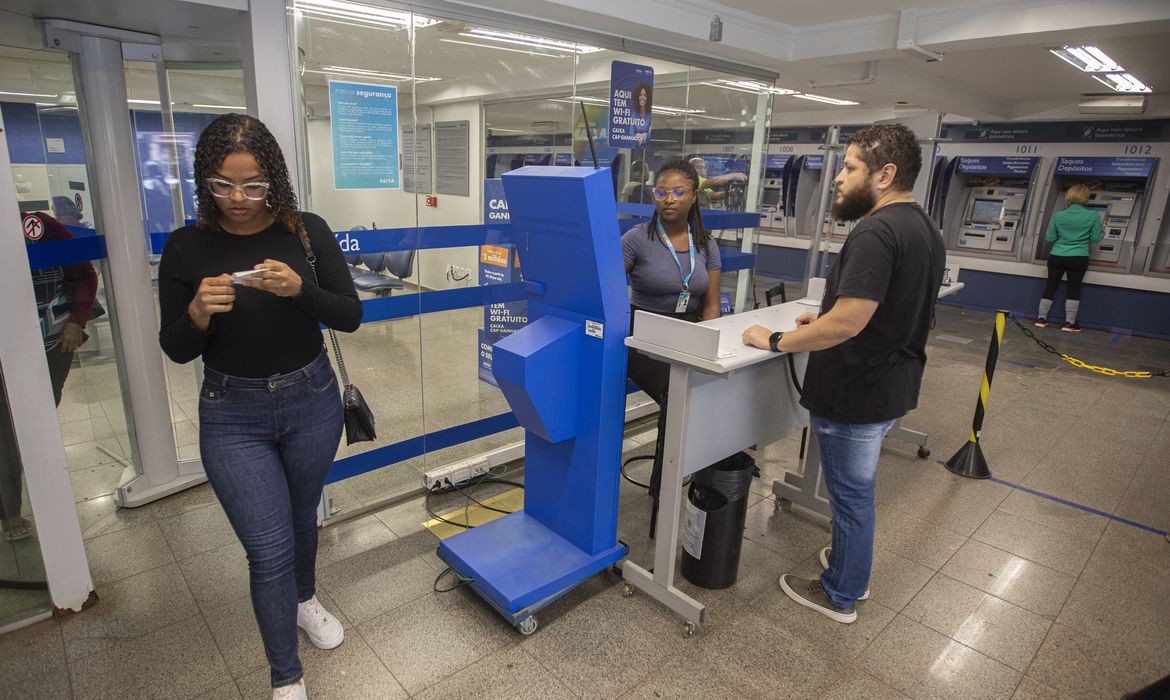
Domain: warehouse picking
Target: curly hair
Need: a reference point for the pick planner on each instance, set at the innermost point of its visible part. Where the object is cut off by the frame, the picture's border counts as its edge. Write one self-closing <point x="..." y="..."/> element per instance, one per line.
<point x="694" y="216"/>
<point x="643" y="85"/>
<point x="880" y="144"/>
<point x="241" y="133"/>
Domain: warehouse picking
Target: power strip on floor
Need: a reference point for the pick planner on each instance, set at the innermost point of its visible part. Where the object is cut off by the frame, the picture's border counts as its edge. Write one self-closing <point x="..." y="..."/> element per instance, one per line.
<point x="457" y="473"/>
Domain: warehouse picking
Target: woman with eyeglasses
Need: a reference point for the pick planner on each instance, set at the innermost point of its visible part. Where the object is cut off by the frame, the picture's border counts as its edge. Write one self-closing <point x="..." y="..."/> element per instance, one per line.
<point x="673" y="267"/>
<point x="270" y="413"/>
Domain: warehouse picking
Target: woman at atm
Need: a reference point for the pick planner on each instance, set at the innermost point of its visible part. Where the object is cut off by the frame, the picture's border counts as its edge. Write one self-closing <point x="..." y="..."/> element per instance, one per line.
<point x="673" y="266"/>
<point x="1070" y="232"/>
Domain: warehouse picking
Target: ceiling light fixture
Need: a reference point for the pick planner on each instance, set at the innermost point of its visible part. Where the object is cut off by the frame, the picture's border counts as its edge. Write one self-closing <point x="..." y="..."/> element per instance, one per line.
<point x="27" y="94"/>
<point x="371" y="74"/>
<point x="666" y="109"/>
<point x="1122" y="82"/>
<point x="526" y="52"/>
<point x="144" y="102"/>
<point x="528" y="40"/>
<point x="581" y="98"/>
<point x="752" y="86"/>
<point x="229" y="107"/>
<point x="1092" y="60"/>
<point x="756" y="88"/>
<point x="361" y="15"/>
<point x="1089" y="59"/>
<point x="822" y="98"/>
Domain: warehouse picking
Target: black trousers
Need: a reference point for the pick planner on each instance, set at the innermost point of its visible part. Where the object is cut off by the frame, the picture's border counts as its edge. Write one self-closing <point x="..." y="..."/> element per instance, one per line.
<point x="1074" y="266"/>
<point x="10" y="470"/>
<point x="653" y="377"/>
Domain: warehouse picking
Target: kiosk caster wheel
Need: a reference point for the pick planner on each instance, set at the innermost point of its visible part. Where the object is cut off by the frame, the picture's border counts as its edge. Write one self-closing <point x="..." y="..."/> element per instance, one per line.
<point x="627" y="591"/>
<point x="690" y="629"/>
<point x="923" y="452"/>
<point x="527" y="626"/>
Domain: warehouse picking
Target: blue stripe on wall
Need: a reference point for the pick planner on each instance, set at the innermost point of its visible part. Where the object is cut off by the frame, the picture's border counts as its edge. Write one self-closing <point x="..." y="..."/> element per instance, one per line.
<point x="1133" y="311"/>
<point x="415" y="446"/>
<point x="441" y="300"/>
<point x="1112" y="308"/>
<point x="67" y="252"/>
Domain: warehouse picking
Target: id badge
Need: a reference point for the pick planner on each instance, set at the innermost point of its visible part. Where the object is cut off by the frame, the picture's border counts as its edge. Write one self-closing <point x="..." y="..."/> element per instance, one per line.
<point x="683" y="299"/>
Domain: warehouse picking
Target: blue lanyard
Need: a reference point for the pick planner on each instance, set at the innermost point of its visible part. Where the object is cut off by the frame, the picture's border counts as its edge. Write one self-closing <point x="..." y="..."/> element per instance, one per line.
<point x="691" y="249"/>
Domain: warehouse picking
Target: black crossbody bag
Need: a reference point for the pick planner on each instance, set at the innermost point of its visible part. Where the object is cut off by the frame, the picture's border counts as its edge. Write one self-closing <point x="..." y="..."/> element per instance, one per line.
<point x="359" y="419"/>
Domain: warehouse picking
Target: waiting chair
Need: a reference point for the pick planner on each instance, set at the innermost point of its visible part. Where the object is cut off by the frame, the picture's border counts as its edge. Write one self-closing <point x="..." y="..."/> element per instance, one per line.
<point x="399" y="263"/>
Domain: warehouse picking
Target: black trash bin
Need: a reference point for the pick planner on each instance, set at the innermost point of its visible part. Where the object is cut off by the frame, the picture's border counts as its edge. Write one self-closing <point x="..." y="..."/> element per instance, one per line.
<point x="715" y="519"/>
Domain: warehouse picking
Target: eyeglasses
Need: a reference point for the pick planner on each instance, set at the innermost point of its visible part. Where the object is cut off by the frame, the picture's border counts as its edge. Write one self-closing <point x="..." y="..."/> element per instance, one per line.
<point x="661" y="192"/>
<point x="224" y="189"/>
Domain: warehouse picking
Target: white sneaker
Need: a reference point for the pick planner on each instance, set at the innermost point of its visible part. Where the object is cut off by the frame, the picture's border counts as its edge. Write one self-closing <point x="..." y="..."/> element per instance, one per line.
<point x="825" y="565"/>
<point x="296" y="691"/>
<point x="324" y="630"/>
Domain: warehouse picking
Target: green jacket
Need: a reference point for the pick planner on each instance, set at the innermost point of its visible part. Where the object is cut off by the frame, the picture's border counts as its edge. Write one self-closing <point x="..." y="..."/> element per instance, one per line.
<point x="1071" y="230"/>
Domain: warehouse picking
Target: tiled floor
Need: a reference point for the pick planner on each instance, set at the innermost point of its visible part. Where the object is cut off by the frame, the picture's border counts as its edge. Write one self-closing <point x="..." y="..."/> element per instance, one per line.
<point x="979" y="589"/>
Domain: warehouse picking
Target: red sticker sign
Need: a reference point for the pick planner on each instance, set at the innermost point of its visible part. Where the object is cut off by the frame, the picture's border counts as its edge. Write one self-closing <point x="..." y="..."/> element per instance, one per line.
<point x="34" y="228"/>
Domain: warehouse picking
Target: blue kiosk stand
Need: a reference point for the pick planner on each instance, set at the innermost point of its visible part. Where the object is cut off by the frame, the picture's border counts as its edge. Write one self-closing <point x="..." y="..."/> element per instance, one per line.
<point x="564" y="376"/>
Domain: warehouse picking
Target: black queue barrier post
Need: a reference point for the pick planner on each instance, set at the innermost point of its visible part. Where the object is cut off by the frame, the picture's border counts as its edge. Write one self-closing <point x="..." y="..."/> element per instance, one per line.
<point x="969" y="460"/>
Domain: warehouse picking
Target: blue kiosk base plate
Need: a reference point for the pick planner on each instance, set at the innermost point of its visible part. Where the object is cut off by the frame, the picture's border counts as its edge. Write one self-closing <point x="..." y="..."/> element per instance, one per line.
<point x="518" y="565"/>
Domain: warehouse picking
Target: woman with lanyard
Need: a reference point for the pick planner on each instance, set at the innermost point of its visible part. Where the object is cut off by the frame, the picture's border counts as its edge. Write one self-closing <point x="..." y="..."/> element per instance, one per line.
<point x="673" y="267"/>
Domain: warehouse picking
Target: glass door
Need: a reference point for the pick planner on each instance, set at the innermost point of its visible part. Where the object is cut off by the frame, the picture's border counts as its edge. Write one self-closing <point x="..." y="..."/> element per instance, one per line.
<point x="170" y="105"/>
<point x="54" y="199"/>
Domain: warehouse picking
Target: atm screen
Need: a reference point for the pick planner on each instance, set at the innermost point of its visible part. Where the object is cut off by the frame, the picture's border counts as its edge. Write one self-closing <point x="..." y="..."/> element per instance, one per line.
<point x="986" y="211"/>
<point x="771" y="196"/>
<point x="1101" y="209"/>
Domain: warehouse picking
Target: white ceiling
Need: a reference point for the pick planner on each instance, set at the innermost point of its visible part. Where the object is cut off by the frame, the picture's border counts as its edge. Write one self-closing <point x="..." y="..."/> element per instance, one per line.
<point x="996" y="66"/>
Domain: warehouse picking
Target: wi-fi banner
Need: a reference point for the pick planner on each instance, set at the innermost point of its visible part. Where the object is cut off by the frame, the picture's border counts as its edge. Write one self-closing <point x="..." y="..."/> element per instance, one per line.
<point x="631" y="96"/>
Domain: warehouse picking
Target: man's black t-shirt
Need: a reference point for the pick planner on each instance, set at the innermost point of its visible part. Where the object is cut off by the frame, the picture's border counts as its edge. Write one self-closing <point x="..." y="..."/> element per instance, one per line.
<point x="896" y="258"/>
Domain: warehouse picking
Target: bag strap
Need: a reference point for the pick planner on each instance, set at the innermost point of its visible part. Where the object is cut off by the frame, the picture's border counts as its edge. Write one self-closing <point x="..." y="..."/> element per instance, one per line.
<point x="312" y="258"/>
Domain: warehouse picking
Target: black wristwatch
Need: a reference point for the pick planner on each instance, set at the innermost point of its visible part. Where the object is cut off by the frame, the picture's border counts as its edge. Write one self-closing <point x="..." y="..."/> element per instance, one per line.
<point x="774" y="341"/>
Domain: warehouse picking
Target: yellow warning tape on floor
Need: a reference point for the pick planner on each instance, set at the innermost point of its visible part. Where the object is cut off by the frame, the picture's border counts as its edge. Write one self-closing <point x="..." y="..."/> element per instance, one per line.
<point x="476" y="515"/>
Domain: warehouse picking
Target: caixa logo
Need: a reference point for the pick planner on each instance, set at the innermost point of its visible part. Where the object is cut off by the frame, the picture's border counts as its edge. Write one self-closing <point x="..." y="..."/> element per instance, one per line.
<point x="386" y="181"/>
<point x="348" y="243"/>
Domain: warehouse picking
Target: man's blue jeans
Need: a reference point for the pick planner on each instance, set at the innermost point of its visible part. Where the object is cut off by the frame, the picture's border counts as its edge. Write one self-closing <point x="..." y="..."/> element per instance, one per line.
<point x="267" y="445"/>
<point x="849" y="457"/>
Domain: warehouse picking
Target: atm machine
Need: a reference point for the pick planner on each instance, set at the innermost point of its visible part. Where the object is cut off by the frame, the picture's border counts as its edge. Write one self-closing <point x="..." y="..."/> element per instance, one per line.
<point x="1118" y="223"/>
<point x="804" y="184"/>
<point x="983" y="203"/>
<point x="772" y="194"/>
<point x="991" y="220"/>
<point x="1117" y="193"/>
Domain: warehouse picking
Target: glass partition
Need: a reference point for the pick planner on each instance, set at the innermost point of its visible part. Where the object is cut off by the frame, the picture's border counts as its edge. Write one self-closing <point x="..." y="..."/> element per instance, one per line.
<point x="473" y="102"/>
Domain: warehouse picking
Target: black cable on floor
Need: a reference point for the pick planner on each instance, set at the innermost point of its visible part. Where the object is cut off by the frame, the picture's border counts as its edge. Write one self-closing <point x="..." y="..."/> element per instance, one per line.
<point x="444" y="572"/>
<point x="628" y="478"/>
<point x="470" y="483"/>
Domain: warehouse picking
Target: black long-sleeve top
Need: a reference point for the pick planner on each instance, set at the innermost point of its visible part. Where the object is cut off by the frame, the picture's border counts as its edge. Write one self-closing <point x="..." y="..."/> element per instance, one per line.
<point x="263" y="334"/>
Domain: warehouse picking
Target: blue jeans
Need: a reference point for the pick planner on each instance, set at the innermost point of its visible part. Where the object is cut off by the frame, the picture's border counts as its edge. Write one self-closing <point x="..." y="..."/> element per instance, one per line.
<point x="267" y="445"/>
<point x="849" y="457"/>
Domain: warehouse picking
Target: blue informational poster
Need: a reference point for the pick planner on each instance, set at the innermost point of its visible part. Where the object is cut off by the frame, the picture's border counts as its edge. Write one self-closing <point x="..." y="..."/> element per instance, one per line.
<point x="364" y="122"/>
<point x="631" y="95"/>
<point x="498" y="264"/>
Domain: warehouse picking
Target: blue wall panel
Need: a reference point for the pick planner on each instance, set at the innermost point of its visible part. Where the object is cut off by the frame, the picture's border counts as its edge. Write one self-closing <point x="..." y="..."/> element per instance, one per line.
<point x="1113" y="308"/>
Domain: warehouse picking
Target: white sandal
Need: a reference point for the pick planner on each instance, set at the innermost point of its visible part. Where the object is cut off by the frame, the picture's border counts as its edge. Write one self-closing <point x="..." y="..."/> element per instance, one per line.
<point x="20" y="531"/>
